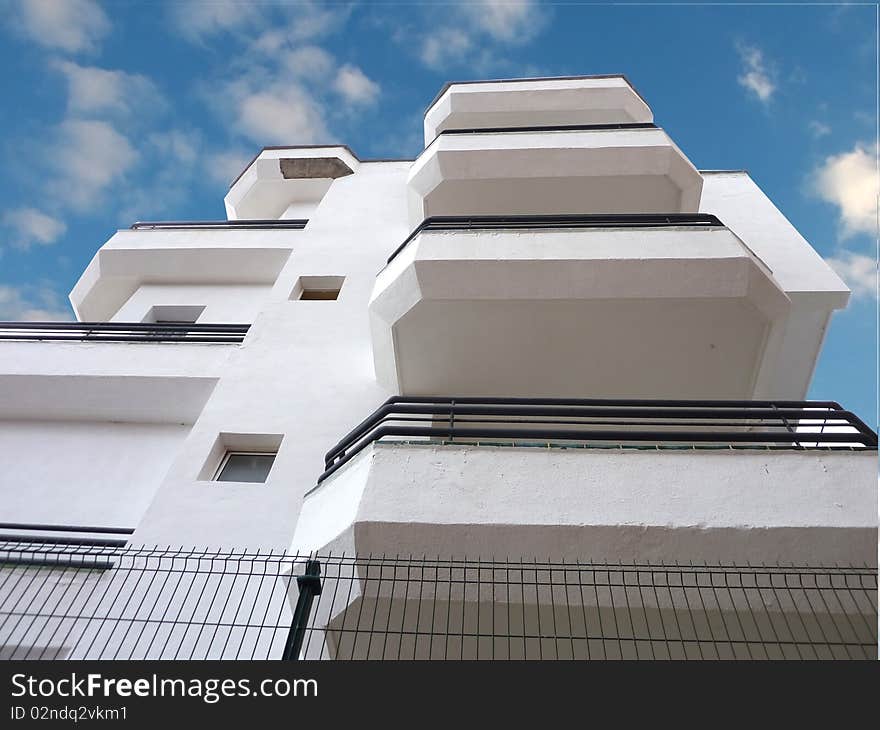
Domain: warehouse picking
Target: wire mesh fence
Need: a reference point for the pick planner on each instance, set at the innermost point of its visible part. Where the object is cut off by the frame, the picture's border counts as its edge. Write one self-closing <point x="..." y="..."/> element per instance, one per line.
<point x="128" y="603"/>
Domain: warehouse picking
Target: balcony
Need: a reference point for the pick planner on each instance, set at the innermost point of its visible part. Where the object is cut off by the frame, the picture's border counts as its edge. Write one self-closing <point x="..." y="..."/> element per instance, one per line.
<point x="535" y="102"/>
<point x="288" y="182"/>
<point x="119" y="371"/>
<point x="597" y="480"/>
<point x="644" y="306"/>
<point x="606" y="168"/>
<point x="187" y="254"/>
<point x="143" y="332"/>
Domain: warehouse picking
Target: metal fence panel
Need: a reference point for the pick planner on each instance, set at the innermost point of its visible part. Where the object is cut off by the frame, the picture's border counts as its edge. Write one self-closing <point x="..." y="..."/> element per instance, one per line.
<point x="145" y="603"/>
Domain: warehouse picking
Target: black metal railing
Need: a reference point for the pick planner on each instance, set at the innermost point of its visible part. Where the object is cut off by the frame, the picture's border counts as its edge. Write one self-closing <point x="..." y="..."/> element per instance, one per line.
<point x="123" y="332"/>
<point x="55" y="534"/>
<point x="591" y="220"/>
<point x="600" y="422"/>
<point x="616" y="126"/>
<point x="296" y="224"/>
<point x="167" y="603"/>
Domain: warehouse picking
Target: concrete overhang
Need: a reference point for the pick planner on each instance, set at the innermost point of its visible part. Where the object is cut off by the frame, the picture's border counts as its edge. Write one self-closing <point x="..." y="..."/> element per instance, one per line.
<point x="553" y="172"/>
<point x="122" y="398"/>
<point x="632" y="313"/>
<point x="108" y="381"/>
<point x="597" y="504"/>
<point x="287" y="182"/>
<point x="535" y="102"/>
<point x="132" y="258"/>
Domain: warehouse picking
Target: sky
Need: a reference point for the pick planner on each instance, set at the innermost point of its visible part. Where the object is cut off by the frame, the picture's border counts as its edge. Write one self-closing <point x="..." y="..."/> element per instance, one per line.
<point x="121" y="111"/>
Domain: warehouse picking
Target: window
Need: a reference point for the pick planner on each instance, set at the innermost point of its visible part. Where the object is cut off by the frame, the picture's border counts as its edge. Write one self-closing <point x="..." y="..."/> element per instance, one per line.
<point x="174" y="314"/>
<point x="245" y="466"/>
<point x="317" y="288"/>
<point x="241" y="457"/>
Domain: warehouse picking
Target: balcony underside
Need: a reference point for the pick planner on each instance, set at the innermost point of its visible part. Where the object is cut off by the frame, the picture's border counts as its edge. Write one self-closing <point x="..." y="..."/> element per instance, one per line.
<point x="196" y="256"/>
<point x="671" y="313"/>
<point x="597" y="504"/>
<point x="552" y="172"/>
<point x="141" y="380"/>
<point x="596" y="480"/>
<point x="287" y="182"/>
<point x="584" y="100"/>
<point x="426" y="607"/>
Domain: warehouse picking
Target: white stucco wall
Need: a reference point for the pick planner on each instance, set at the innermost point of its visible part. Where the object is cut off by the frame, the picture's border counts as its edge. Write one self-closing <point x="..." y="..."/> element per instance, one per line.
<point x="223" y="303"/>
<point x="83" y="473"/>
<point x="305" y="371"/>
<point x="598" y="504"/>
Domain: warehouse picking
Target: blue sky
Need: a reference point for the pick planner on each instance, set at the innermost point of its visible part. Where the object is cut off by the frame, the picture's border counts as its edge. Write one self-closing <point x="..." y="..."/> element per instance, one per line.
<point x="120" y="111"/>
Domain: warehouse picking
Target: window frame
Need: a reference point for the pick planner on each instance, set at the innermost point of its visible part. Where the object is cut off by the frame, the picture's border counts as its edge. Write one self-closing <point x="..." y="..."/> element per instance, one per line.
<point x="236" y="452"/>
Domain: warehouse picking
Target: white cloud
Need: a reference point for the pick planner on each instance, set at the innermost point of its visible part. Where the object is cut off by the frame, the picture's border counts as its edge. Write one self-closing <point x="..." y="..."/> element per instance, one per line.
<point x="199" y="19"/>
<point x="307" y="62"/>
<point x="310" y="20"/>
<point x="474" y="35"/>
<point x="224" y="167"/>
<point x="858" y="271"/>
<point x="86" y="157"/>
<point x="32" y="304"/>
<point x="167" y="171"/>
<point x="97" y="90"/>
<point x="279" y="86"/>
<point x="849" y="181"/>
<point x="279" y="89"/>
<point x="32" y="226"/>
<point x="506" y="20"/>
<point x="818" y="129"/>
<point x="176" y="145"/>
<point x="282" y="113"/>
<point x="354" y="86"/>
<point x="68" y="25"/>
<point x="445" y="46"/>
<point x="755" y="76"/>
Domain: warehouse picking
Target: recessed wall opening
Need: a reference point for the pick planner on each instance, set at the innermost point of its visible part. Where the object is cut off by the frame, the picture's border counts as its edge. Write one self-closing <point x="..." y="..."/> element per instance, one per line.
<point x="317" y="288"/>
<point x="174" y="314"/>
<point x="245" y="466"/>
<point x="241" y="458"/>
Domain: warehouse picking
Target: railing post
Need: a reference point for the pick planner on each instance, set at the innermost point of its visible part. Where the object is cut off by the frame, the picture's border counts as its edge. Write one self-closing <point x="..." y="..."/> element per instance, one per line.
<point x="789" y="428"/>
<point x="452" y="421"/>
<point x="309" y="586"/>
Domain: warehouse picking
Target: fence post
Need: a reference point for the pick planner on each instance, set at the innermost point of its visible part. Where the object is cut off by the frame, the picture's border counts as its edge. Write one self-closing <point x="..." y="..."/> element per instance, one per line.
<point x="309" y="586"/>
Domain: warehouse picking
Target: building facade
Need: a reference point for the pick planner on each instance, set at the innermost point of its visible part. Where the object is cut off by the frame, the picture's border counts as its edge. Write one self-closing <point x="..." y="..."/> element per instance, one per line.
<point x="548" y="337"/>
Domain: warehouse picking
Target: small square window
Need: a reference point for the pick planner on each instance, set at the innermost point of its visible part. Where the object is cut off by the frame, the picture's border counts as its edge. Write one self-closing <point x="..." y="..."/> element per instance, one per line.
<point x="245" y="466"/>
<point x="164" y="314"/>
<point x="317" y="288"/>
<point x="241" y="457"/>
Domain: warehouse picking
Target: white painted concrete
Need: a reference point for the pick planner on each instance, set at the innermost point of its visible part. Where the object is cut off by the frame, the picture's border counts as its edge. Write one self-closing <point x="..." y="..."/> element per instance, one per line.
<point x="305" y="372"/>
<point x="546" y="102"/>
<point x="597" y="504"/>
<point x="115" y="381"/>
<point x="224" y="303"/>
<point x="589" y="308"/>
<point x="552" y="172"/>
<point x="263" y="192"/>
<point x="132" y="258"/>
<point x="83" y="473"/>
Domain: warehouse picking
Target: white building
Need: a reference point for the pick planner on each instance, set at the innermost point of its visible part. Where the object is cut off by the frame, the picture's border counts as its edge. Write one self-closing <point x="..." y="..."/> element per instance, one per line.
<point x="551" y="294"/>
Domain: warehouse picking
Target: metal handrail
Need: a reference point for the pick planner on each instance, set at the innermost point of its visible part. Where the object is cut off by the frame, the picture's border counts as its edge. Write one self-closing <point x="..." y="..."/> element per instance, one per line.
<point x="123" y="332"/>
<point x="754" y="424"/>
<point x="260" y="223"/>
<point x="541" y="128"/>
<point x="587" y="220"/>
